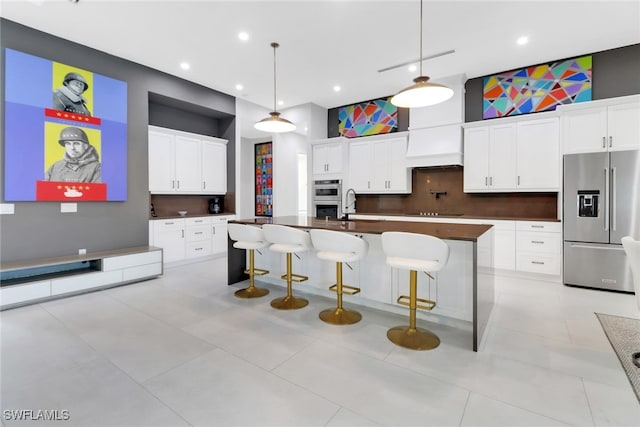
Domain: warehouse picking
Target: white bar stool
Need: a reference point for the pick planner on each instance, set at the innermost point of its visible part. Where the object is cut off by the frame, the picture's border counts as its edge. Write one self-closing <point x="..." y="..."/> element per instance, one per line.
<point x="288" y="240"/>
<point x="250" y="238"/>
<point x="414" y="252"/>
<point x="340" y="248"/>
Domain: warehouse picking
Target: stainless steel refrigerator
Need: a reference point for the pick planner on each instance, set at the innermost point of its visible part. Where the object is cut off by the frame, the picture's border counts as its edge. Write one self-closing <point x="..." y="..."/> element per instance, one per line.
<point x="600" y="207"/>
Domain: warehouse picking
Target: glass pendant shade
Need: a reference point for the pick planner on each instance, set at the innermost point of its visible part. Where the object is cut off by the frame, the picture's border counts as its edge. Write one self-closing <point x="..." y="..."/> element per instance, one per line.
<point x="274" y="124"/>
<point x="422" y="94"/>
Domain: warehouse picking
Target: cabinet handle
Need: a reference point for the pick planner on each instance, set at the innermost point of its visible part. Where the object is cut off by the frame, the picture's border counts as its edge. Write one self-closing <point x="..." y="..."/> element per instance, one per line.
<point x="214" y="230"/>
<point x="198" y="220"/>
<point x="491" y="181"/>
<point x="486" y="181"/>
<point x="610" y="141"/>
<point x="178" y="181"/>
<point x="518" y="179"/>
<point x="204" y="185"/>
<point x="537" y="226"/>
<point x="183" y="234"/>
<point x="169" y="223"/>
<point x="537" y="262"/>
<point x="368" y="184"/>
<point x="539" y="242"/>
<point x="173" y="184"/>
<point x="198" y="249"/>
<point x="604" y="141"/>
<point x="198" y="232"/>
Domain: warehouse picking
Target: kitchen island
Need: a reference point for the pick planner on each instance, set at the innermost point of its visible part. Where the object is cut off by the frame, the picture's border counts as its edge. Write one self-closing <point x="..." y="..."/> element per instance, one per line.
<point x="464" y="289"/>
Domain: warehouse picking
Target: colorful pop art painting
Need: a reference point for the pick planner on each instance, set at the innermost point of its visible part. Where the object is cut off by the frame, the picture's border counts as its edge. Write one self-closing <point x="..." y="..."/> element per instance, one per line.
<point x="368" y="118"/>
<point x="537" y="88"/>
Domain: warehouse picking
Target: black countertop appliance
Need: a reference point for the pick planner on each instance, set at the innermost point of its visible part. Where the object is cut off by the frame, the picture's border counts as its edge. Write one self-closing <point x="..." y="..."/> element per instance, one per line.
<point x="216" y="205"/>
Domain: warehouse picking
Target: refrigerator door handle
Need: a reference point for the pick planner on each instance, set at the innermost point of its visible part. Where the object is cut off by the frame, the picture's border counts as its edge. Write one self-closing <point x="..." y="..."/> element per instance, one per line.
<point x="614" y="199"/>
<point x="603" y="248"/>
<point x="606" y="199"/>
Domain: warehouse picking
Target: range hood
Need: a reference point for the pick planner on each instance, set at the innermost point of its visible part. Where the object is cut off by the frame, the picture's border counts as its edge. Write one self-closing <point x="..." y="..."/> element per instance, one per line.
<point x="435" y="146"/>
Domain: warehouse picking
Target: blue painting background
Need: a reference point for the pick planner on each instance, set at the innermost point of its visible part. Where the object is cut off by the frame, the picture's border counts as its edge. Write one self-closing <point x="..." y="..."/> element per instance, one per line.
<point x="28" y="91"/>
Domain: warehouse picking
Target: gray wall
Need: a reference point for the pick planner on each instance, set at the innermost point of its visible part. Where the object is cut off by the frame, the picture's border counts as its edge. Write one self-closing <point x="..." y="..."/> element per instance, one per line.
<point x="616" y="72"/>
<point x="39" y="229"/>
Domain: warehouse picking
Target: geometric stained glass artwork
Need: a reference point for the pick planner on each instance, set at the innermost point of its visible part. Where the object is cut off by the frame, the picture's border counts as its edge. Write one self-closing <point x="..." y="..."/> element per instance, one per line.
<point x="368" y="118"/>
<point x="537" y="88"/>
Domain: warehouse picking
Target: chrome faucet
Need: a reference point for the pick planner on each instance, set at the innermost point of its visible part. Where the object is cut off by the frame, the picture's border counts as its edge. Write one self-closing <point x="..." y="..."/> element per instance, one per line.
<point x="353" y="204"/>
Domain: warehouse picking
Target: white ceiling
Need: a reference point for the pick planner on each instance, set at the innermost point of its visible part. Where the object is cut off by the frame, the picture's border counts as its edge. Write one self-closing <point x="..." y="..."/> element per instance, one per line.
<point x="331" y="42"/>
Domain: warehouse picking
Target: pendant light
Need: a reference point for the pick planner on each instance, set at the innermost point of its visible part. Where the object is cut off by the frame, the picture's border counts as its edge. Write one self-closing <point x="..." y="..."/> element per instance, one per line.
<point x="274" y="123"/>
<point x="422" y="93"/>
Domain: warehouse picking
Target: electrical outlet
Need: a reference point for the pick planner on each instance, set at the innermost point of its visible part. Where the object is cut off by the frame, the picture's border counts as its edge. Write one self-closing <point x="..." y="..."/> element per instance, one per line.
<point x="82" y="251"/>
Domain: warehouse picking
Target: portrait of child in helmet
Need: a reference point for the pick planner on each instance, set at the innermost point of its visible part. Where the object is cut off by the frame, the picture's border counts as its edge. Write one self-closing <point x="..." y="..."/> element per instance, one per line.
<point x="69" y="96"/>
<point x="81" y="162"/>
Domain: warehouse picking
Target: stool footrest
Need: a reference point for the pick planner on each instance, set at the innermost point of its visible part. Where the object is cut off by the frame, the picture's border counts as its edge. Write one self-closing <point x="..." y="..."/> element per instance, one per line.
<point x="405" y="300"/>
<point x="257" y="272"/>
<point x="295" y="277"/>
<point x="347" y="290"/>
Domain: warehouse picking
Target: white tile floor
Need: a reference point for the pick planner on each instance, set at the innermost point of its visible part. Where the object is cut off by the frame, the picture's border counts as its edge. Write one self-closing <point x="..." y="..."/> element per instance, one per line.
<point x="182" y="350"/>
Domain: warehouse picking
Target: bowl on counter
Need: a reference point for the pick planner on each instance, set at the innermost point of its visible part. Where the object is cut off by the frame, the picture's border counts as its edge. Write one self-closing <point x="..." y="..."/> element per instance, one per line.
<point x="182" y="213"/>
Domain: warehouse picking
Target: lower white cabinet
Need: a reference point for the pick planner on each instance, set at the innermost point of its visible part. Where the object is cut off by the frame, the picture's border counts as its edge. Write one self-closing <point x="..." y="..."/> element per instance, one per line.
<point x="538" y="247"/>
<point x="188" y="238"/>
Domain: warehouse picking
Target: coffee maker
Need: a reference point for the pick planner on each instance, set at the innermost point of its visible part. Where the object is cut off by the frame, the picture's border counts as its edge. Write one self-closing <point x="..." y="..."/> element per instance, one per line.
<point x="216" y="205"/>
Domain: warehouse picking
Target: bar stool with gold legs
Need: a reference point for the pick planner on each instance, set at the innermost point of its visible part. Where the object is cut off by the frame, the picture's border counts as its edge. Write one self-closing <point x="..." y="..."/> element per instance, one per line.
<point x="414" y="252"/>
<point x="340" y="248"/>
<point x="288" y="240"/>
<point x="250" y="238"/>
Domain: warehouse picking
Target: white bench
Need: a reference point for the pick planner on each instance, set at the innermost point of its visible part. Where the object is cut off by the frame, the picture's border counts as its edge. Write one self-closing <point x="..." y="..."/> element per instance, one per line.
<point x="36" y="280"/>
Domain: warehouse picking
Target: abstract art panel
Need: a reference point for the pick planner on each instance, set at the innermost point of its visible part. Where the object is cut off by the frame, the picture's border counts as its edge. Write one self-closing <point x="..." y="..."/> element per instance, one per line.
<point x="537" y="88"/>
<point x="368" y="118"/>
<point x="264" y="179"/>
<point x="65" y="132"/>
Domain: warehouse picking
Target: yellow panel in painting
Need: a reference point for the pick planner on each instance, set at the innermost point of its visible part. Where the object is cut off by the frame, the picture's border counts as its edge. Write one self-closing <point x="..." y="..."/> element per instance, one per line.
<point x="59" y="71"/>
<point x="53" y="151"/>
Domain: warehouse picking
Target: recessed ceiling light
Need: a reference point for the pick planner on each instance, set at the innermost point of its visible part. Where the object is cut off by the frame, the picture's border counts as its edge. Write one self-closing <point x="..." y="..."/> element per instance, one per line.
<point x="243" y="36"/>
<point x="281" y="102"/>
<point x="522" y="40"/>
<point x="337" y="88"/>
<point x="185" y="65"/>
<point x="239" y="86"/>
<point x="412" y="68"/>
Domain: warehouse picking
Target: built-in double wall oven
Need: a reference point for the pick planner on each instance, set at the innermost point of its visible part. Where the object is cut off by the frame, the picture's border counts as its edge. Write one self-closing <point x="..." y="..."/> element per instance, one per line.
<point x="327" y="198"/>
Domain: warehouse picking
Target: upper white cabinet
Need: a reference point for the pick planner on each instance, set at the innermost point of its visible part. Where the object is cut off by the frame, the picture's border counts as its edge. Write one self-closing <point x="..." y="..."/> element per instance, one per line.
<point x="377" y="165"/>
<point x="604" y="125"/>
<point x="329" y="156"/>
<point x="512" y="155"/>
<point x="184" y="163"/>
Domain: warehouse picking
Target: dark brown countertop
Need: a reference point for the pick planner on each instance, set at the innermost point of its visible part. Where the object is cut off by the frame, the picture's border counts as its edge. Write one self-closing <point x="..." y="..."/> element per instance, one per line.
<point x="448" y="215"/>
<point x="194" y="215"/>
<point x="469" y="232"/>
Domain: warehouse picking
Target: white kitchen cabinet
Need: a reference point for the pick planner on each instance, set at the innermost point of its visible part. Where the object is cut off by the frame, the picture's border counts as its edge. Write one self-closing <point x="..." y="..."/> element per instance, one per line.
<point x="513" y="155"/>
<point x="219" y="229"/>
<point x="538" y="155"/>
<point x="184" y="163"/>
<point x="169" y="234"/>
<point x="489" y="160"/>
<point x="328" y="157"/>
<point x="191" y="237"/>
<point x="214" y="166"/>
<point x="538" y="247"/>
<point x="378" y="166"/>
<point x="603" y="125"/>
